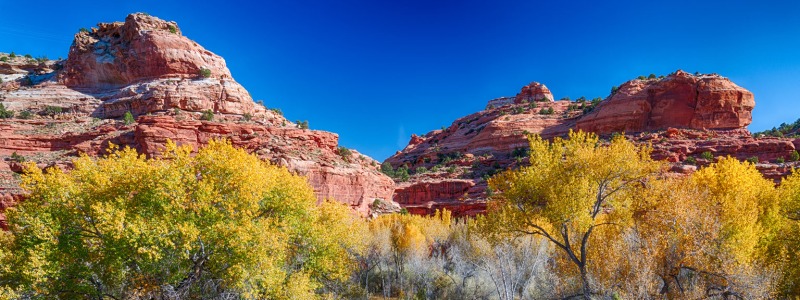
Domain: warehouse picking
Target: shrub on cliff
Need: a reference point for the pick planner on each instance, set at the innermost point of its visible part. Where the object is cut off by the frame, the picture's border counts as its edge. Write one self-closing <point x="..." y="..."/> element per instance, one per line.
<point x="345" y="153"/>
<point x="795" y="156"/>
<point x="25" y="114"/>
<point x="5" y="113"/>
<point x="707" y="155"/>
<point x="207" y="115"/>
<point x="302" y="124"/>
<point x="205" y="73"/>
<point x="128" y="118"/>
<point x="52" y="110"/>
<point x="221" y="223"/>
<point x="387" y="169"/>
<point x="401" y="173"/>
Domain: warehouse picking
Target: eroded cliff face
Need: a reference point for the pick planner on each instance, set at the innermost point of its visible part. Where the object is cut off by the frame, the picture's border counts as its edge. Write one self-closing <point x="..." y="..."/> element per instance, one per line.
<point x="147" y="67"/>
<point x="143" y="65"/>
<point x="680" y="100"/>
<point x="681" y="115"/>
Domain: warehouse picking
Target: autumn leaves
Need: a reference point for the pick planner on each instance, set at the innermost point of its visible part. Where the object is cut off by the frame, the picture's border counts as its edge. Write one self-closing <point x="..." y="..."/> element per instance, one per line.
<point x="588" y="218"/>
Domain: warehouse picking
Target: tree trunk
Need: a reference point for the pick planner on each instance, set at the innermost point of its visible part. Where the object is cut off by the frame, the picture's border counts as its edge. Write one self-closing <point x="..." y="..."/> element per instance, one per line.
<point x="585" y="280"/>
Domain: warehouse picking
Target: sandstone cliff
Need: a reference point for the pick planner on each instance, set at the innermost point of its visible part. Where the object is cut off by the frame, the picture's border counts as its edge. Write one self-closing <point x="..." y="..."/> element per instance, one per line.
<point x="146" y="66"/>
<point x="686" y="118"/>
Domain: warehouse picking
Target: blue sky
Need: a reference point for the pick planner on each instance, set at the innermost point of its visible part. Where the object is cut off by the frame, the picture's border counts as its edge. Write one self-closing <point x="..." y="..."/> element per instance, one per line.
<point x="377" y="71"/>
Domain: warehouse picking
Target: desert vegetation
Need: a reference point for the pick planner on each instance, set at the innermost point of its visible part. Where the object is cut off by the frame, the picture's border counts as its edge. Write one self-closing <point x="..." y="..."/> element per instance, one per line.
<point x="585" y="219"/>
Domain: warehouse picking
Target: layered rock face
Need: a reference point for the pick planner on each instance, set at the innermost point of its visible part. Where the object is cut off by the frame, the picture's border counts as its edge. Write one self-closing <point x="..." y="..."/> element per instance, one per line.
<point x="146" y="66"/>
<point x="353" y="180"/>
<point x="143" y="65"/>
<point x="533" y="92"/>
<point x="681" y="115"/>
<point x="680" y="100"/>
<point x="457" y="160"/>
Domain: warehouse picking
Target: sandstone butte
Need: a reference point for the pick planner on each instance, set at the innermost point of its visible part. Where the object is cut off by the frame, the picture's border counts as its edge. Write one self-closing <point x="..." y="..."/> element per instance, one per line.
<point x="146" y="66"/>
<point x="681" y="115"/>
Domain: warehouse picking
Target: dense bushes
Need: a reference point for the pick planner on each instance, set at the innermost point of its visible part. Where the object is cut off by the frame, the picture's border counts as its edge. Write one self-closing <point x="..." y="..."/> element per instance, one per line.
<point x="587" y="219"/>
<point x="218" y="224"/>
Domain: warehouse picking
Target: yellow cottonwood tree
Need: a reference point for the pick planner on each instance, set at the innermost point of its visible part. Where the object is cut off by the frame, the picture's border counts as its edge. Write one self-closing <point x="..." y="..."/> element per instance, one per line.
<point x="572" y="188"/>
<point x="714" y="227"/>
<point x="788" y="252"/>
<point x="199" y="226"/>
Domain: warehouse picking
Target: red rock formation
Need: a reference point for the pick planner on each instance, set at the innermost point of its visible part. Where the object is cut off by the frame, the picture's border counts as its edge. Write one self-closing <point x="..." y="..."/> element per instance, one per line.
<point x="145" y="65"/>
<point x="680" y="100"/>
<point x="533" y="92"/>
<point x="355" y="181"/>
<point x="681" y="115"/>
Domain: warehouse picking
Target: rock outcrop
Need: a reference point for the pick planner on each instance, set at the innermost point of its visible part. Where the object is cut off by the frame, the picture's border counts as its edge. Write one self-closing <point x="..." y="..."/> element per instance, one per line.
<point x="143" y="65"/>
<point x="534" y="92"/>
<point x="681" y="115"/>
<point x="680" y="100"/>
<point x="147" y="67"/>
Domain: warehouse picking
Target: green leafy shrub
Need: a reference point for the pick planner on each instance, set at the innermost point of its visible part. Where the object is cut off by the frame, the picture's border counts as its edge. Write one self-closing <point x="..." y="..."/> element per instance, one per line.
<point x="345" y="153"/>
<point x="128" y="118"/>
<point x="451" y="169"/>
<point x="752" y="159"/>
<point x="421" y="170"/>
<point x="172" y="29"/>
<point x="387" y="169"/>
<point x="205" y="72"/>
<point x="641" y="77"/>
<point x="17" y="158"/>
<point x="520" y="152"/>
<point x="302" y="124"/>
<point x="52" y="110"/>
<point x="795" y="156"/>
<point x="401" y="173"/>
<point x="652" y="76"/>
<point x="690" y="160"/>
<point x="208" y="115"/>
<point x="780" y="160"/>
<point x="5" y="113"/>
<point x="277" y="111"/>
<point x="12" y="55"/>
<point x="4" y="58"/>
<point x="26" y="114"/>
<point x="83" y="29"/>
<point x="707" y="155"/>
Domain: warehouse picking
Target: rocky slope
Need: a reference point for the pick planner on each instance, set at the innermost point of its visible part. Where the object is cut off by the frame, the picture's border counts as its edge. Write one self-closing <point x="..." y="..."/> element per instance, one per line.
<point x="687" y="118"/>
<point x="147" y="67"/>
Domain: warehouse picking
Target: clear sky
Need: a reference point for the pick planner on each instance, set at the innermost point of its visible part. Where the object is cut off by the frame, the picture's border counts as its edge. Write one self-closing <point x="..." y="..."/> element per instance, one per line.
<point x="377" y="71"/>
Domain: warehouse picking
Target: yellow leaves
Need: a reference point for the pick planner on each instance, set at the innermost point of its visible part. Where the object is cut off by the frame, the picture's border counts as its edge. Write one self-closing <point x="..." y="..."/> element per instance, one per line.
<point x="743" y="201"/>
<point x="408" y="239"/>
<point x="124" y="216"/>
<point x="576" y="181"/>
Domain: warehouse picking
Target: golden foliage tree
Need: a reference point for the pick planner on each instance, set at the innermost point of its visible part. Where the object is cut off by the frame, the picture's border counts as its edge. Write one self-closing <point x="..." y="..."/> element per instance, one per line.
<point x="788" y="243"/>
<point x="708" y="235"/>
<point x="572" y="188"/>
<point x="181" y="226"/>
